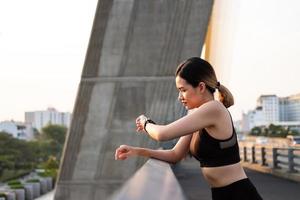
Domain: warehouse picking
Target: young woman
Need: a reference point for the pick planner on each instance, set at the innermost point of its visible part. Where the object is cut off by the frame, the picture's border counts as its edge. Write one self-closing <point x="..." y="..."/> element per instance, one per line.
<point x="207" y="132"/>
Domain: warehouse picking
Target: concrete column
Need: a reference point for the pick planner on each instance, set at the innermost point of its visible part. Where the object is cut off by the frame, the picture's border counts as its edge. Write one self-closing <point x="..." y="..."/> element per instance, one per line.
<point x="291" y="160"/>
<point x="263" y="157"/>
<point x="134" y="49"/>
<point x="20" y="194"/>
<point x="28" y="191"/>
<point x="253" y="154"/>
<point x="275" y="162"/>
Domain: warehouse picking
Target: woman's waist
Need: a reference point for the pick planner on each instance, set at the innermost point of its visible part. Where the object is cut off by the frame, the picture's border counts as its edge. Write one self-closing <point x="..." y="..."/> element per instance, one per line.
<point x="223" y="175"/>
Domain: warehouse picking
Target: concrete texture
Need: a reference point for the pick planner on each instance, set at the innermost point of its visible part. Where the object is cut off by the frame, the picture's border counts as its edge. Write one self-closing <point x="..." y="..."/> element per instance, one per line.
<point x="160" y="183"/>
<point x="134" y="49"/>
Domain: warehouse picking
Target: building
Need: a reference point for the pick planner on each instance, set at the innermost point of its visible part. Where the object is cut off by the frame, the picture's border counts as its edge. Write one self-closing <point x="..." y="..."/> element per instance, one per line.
<point x="290" y="108"/>
<point x="18" y="130"/>
<point x="39" y="119"/>
<point x="271" y="109"/>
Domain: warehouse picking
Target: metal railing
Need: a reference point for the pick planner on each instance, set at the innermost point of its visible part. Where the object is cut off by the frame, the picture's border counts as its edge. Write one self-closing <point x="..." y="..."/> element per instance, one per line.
<point x="154" y="180"/>
<point x="277" y="158"/>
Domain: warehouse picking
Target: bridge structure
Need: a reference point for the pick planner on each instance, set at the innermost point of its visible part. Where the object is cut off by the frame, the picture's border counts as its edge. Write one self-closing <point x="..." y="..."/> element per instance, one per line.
<point x="134" y="48"/>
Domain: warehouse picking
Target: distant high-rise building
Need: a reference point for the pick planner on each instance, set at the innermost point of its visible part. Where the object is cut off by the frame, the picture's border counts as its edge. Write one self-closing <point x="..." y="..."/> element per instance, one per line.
<point x="271" y="109"/>
<point x="290" y="108"/>
<point x="39" y="119"/>
<point x="269" y="106"/>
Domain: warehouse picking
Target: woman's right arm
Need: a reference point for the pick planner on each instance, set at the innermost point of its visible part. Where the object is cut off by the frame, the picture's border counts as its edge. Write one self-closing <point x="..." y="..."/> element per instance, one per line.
<point x="174" y="155"/>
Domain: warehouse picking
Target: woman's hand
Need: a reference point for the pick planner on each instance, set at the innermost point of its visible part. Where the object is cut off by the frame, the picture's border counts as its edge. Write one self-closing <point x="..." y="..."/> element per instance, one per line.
<point x="124" y="151"/>
<point x="140" y="123"/>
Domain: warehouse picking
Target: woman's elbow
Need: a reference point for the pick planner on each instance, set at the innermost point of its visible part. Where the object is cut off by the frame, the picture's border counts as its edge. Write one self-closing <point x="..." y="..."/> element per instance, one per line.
<point x="175" y="160"/>
<point x="161" y="137"/>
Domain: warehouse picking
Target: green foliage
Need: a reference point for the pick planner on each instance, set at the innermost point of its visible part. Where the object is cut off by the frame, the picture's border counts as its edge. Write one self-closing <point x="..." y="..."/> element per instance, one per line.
<point x="51" y="163"/>
<point x="13" y="174"/>
<point x="56" y="133"/>
<point x="49" y="173"/>
<point x="256" y="131"/>
<point x="14" y="182"/>
<point x="16" y="154"/>
<point x="55" y="136"/>
<point x="17" y="186"/>
<point x="33" y="181"/>
<point x="272" y="131"/>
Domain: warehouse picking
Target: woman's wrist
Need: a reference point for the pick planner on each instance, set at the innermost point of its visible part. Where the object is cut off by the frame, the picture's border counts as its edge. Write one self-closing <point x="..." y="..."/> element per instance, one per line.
<point x="139" y="151"/>
<point x="147" y="122"/>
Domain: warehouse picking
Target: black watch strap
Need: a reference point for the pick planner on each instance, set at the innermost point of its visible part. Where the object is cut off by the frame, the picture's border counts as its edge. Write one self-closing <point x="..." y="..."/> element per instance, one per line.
<point x="148" y="121"/>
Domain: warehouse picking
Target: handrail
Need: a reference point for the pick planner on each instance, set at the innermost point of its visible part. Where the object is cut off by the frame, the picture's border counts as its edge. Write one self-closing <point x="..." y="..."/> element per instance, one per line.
<point x="274" y="159"/>
<point x="154" y="180"/>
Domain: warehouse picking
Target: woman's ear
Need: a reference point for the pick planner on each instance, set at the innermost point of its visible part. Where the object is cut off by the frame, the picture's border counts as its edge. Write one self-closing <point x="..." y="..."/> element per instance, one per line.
<point x="202" y="86"/>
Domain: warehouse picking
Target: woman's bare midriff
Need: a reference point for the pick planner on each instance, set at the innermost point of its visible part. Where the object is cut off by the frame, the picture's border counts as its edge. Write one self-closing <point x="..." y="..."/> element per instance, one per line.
<point x="224" y="175"/>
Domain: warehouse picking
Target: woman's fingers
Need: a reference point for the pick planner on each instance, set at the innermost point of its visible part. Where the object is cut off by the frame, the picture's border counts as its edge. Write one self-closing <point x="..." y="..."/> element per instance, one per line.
<point x="122" y="152"/>
<point x="140" y="121"/>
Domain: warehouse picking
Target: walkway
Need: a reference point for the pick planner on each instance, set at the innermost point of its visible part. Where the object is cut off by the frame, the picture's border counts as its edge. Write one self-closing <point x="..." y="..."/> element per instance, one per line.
<point x="270" y="187"/>
<point x="48" y="196"/>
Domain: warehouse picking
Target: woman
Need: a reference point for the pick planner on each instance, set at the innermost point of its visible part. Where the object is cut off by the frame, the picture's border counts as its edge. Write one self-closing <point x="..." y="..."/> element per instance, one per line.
<point x="207" y="132"/>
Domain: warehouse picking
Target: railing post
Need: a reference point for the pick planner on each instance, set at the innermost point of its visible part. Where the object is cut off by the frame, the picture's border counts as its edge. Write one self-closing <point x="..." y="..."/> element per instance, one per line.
<point x="263" y="156"/>
<point x="245" y="153"/>
<point x="291" y="159"/>
<point x="274" y="151"/>
<point x="253" y="154"/>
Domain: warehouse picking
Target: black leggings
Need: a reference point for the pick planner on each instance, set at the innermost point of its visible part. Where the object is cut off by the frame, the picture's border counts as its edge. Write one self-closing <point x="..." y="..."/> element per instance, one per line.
<point x="239" y="190"/>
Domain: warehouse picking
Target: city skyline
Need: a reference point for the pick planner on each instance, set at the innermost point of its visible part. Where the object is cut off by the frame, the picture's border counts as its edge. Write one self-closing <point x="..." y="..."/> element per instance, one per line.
<point x="42" y="54"/>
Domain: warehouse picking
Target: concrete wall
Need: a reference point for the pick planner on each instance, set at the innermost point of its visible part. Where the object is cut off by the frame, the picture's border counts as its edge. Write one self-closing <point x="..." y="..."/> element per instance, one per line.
<point x="134" y="49"/>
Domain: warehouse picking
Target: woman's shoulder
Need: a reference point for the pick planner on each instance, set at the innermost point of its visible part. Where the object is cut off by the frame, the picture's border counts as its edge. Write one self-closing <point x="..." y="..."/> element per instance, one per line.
<point x="214" y="105"/>
<point x="211" y="108"/>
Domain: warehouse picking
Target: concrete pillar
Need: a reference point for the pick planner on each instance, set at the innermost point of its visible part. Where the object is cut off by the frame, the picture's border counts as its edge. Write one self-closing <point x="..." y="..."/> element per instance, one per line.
<point x="291" y="160"/>
<point x="28" y="191"/>
<point x="253" y="154"/>
<point x="44" y="186"/>
<point x="49" y="183"/>
<point x="245" y="153"/>
<point x="36" y="189"/>
<point x="275" y="161"/>
<point x="11" y="195"/>
<point x="263" y="157"/>
<point x="20" y="194"/>
<point x="134" y="49"/>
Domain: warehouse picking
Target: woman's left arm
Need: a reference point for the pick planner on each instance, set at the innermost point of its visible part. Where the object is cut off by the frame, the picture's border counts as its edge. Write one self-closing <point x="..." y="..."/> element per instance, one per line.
<point x="204" y="116"/>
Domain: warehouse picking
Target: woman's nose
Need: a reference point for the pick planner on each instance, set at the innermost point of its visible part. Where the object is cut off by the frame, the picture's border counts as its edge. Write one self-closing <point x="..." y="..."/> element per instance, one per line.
<point x="179" y="96"/>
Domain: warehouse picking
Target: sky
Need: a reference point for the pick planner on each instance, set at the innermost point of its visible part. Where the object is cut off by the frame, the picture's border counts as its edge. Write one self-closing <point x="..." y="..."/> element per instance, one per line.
<point x="43" y="45"/>
<point x="42" y="49"/>
<point x="265" y="52"/>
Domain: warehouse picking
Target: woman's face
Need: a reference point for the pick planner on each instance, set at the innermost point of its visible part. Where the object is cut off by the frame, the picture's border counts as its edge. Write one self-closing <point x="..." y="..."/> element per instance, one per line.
<point x="189" y="96"/>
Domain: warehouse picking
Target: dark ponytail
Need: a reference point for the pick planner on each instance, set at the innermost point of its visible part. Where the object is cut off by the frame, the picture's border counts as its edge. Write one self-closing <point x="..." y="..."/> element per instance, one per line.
<point x="195" y="70"/>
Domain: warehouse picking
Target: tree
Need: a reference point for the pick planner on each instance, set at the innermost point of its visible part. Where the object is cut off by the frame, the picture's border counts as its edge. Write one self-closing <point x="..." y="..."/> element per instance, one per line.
<point x="51" y="163"/>
<point x="256" y="131"/>
<point x="56" y="133"/>
<point x="55" y="136"/>
<point x="272" y="131"/>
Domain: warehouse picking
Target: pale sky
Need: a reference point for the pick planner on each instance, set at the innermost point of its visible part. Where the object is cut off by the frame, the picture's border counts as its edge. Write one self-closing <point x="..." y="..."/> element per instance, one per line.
<point x="43" y="45"/>
<point x="266" y="51"/>
<point x="42" y="49"/>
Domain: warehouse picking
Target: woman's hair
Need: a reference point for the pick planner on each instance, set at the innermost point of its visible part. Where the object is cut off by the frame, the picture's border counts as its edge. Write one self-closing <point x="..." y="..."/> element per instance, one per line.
<point x="195" y="70"/>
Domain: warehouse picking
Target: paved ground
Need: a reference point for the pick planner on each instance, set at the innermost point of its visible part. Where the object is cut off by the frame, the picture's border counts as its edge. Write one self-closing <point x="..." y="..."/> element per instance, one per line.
<point x="270" y="187"/>
<point x="48" y="196"/>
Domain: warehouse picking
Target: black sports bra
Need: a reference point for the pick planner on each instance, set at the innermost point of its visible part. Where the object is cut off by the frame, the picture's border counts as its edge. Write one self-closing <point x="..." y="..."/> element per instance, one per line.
<point x="212" y="152"/>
